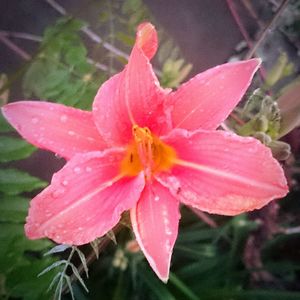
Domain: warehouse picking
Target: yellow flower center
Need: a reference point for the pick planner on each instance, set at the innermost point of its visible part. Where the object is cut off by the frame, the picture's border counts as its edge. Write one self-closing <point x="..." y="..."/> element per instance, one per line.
<point x="147" y="153"/>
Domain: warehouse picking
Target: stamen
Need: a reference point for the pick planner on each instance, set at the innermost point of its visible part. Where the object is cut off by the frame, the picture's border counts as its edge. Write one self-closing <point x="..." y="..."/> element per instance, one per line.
<point x="147" y="153"/>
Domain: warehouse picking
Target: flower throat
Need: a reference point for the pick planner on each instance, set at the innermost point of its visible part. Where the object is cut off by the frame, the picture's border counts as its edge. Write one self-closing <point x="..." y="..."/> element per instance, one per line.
<point x="146" y="153"/>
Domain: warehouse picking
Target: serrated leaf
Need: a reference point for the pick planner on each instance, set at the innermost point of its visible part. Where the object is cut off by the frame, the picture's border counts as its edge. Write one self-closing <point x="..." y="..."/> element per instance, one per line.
<point x="14" y="149"/>
<point x="54" y="265"/>
<point x="83" y="260"/>
<point x="69" y="284"/>
<point x="94" y="244"/>
<point x="57" y="249"/>
<point x="13" y="209"/>
<point x="52" y="283"/>
<point x="76" y="273"/>
<point x="111" y="235"/>
<point x="14" y="182"/>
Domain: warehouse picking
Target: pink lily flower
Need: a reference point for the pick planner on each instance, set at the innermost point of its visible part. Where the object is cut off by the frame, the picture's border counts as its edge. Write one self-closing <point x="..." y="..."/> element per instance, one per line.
<point x="146" y="149"/>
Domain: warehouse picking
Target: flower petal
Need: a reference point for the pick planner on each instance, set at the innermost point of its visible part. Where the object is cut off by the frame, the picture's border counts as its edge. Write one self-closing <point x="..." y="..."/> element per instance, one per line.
<point x="55" y="127"/>
<point x="85" y="199"/>
<point x="132" y="96"/>
<point x="207" y="99"/>
<point x="155" y="224"/>
<point x="223" y="173"/>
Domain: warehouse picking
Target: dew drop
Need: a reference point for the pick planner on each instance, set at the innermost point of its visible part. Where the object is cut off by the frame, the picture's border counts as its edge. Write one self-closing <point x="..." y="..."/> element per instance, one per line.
<point x="70" y="132"/>
<point x="168" y="231"/>
<point x="156" y="198"/>
<point x="77" y="170"/>
<point x="34" y="120"/>
<point x="58" y="193"/>
<point x="88" y="169"/>
<point x="63" y="118"/>
<point x="80" y="228"/>
<point x="65" y="182"/>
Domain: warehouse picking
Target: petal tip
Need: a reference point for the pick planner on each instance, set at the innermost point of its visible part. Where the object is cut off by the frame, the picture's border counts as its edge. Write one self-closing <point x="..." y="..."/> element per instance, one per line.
<point x="146" y="39"/>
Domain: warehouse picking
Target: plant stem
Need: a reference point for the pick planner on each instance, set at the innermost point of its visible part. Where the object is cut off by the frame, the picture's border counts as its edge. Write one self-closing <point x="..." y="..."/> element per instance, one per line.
<point x="15" y="48"/>
<point x="264" y="33"/>
<point x="91" y="34"/>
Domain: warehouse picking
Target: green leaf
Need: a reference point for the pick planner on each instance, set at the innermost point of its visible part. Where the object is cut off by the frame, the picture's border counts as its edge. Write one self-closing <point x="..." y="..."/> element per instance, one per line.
<point x="83" y="260"/>
<point x="14" y="149"/>
<point x="57" y="249"/>
<point x="4" y="125"/>
<point x="289" y="105"/>
<point x="76" y="273"/>
<point x="14" y="182"/>
<point x="54" y="265"/>
<point x="13" y="209"/>
<point x="183" y="287"/>
<point x="158" y="288"/>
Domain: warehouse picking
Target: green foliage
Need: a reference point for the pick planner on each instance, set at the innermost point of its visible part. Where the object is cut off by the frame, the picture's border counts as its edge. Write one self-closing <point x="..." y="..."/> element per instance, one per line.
<point x="13" y="182"/>
<point x="20" y="259"/>
<point x="207" y="263"/>
<point x="14" y="149"/>
<point x="61" y="71"/>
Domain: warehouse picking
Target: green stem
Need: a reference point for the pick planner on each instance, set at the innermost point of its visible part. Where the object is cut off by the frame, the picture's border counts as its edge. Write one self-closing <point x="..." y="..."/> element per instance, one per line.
<point x="182" y="287"/>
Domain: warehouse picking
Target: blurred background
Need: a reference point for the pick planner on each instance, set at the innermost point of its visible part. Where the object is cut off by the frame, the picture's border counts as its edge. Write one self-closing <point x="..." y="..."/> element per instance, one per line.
<point x="62" y="51"/>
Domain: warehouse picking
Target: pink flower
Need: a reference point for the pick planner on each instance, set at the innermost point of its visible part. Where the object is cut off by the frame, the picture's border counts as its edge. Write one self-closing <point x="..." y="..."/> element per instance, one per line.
<point x="145" y="149"/>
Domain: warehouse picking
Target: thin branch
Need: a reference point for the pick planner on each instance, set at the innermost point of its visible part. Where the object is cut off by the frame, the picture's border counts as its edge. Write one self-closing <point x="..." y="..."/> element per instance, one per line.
<point x="21" y="35"/>
<point x="264" y="33"/>
<point x="35" y="38"/>
<point x="239" y="22"/>
<point x="236" y="17"/>
<point x="91" y="34"/>
<point x="249" y="7"/>
<point x="15" y="48"/>
<point x="204" y="217"/>
<point x="94" y="36"/>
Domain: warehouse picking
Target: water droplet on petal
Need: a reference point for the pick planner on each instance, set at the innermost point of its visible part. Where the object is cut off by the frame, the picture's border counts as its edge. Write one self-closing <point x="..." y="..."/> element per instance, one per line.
<point x="88" y="169"/>
<point x="70" y="132"/>
<point x="58" y="193"/>
<point x="156" y="198"/>
<point x="34" y="120"/>
<point x="77" y="170"/>
<point x="65" y="182"/>
<point x="168" y="231"/>
<point x="63" y="118"/>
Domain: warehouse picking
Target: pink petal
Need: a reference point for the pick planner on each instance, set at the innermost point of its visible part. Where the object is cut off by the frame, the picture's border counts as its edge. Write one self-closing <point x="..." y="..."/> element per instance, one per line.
<point x="132" y="96"/>
<point x="208" y="98"/>
<point x="147" y="39"/>
<point x="85" y="199"/>
<point x="155" y="224"/>
<point x="55" y="127"/>
<point x="223" y="173"/>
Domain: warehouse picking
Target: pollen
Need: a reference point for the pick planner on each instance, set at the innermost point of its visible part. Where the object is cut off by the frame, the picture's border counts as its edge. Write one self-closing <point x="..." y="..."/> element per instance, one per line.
<point x="147" y="153"/>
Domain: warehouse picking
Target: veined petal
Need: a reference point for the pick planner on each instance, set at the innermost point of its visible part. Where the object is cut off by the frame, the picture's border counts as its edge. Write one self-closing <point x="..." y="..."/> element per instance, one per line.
<point x="155" y="224"/>
<point x="223" y="173"/>
<point x="85" y="199"/>
<point x="207" y="99"/>
<point x="55" y="127"/>
<point x="132" y="96"/>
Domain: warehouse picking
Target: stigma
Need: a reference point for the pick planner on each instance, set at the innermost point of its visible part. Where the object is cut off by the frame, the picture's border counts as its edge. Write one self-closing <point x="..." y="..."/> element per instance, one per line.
<point x="147" y="153"/>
